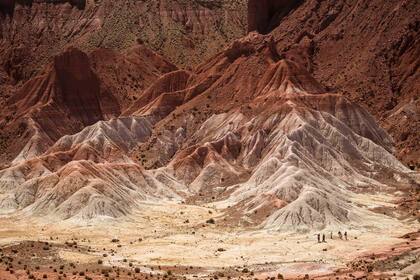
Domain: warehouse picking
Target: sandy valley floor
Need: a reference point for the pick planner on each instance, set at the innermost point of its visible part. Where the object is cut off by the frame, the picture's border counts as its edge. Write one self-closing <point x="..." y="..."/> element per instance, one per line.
<point x="176" y="238"/>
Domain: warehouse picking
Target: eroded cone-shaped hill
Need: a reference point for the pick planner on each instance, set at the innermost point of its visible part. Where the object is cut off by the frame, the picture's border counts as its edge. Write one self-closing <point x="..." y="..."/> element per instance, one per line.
<point x="75" y="91"/>
<point x="61" y="100"/>
<point x="369" y="51"/>
<point x="249" y="131"/>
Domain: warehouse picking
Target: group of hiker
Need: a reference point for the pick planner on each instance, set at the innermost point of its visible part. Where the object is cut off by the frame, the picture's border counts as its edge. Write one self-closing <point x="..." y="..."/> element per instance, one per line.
<point x="340" y="235"/>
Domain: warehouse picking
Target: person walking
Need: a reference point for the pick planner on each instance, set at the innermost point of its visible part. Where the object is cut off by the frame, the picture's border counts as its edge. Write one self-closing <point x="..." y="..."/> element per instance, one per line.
<point x="345" y="235"/>
<point x="319" y="238"/>
<point x="340" y="235"/>
<point x="323" y="238"/>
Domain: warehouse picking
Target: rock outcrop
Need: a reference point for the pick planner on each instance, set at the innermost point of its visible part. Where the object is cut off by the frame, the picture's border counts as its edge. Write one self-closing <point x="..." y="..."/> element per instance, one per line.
<point x="265" y="15"/>
<point x="74" y="91"/>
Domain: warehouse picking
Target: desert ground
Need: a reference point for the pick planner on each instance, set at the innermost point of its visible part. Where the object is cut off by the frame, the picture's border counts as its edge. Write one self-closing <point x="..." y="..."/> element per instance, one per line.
<point x="178" y="240"/>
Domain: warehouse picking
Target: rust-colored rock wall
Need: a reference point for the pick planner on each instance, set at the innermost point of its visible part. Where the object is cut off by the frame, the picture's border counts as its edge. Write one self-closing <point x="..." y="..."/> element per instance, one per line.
<point x="265" y="15"/>
<point x="78" y="86"/>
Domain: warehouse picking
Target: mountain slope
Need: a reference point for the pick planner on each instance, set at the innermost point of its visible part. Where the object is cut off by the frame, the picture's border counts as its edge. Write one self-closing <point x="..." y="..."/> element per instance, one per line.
<point x="248" y="132"/>
<point x="381" y="74"/>
<point x="74" y="91"/>
<point x="367" y="50"/>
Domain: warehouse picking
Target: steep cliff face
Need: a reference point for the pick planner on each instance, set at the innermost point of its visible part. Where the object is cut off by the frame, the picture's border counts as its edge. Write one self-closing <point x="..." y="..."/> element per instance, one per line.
<point x="74" y="91"/>
<point x="62" y="99"/>
<point x="68" y="82"/>
<point x="79" y="87"/>
<point x="265" y="15"/>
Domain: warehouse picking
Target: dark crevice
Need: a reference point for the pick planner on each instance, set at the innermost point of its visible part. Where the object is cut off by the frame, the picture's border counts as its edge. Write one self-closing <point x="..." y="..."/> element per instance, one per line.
<point x="7" y="7"/>
<point x="265" y="15"/>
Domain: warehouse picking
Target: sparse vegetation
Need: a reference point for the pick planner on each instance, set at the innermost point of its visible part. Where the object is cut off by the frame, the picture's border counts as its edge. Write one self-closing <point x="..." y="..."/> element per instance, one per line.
<point x="211" y="221"/>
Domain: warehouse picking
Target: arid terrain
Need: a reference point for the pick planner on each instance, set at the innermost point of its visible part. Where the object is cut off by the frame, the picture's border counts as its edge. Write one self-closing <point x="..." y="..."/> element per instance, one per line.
<point x="212" y="139"/>
<point x="156" y="242"/>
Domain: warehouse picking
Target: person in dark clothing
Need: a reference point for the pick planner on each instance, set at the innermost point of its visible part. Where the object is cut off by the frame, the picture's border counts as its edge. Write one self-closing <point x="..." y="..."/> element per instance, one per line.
<point x="319" y="238"/>
<point x="345" y="235"/>
<point x="323" y="238"/>
<point x="340" y="235"/>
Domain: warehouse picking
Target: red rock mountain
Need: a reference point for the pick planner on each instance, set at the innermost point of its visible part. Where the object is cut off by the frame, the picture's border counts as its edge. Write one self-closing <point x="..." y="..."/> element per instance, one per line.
<point x="367" y="50"/>
<point x="73" y="92"/>
<point x="272" y="129"/>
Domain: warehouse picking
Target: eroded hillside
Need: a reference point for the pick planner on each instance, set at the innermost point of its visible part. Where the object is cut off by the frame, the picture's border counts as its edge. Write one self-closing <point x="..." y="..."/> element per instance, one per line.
<point x="369" y="50"/>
